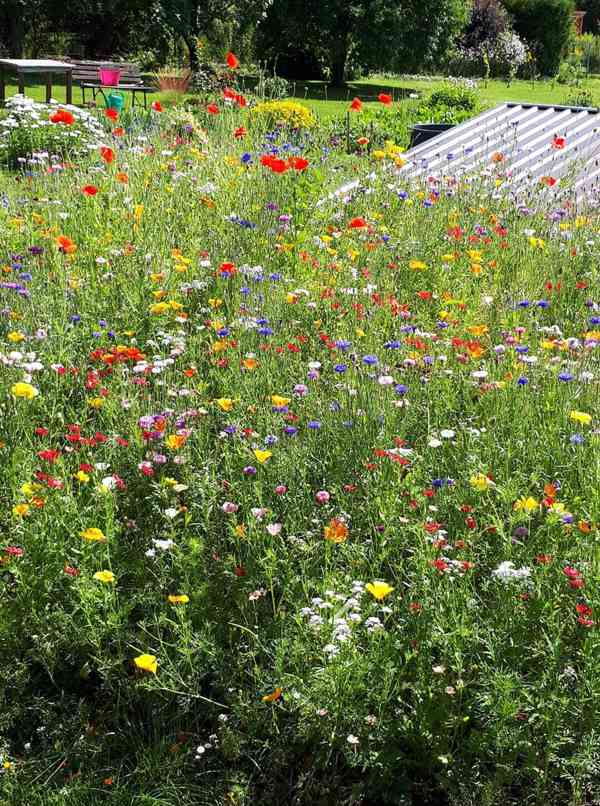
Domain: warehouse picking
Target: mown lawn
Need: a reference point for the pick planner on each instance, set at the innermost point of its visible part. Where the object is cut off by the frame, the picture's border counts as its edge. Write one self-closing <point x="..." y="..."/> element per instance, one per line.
<point x="328" y="102"/>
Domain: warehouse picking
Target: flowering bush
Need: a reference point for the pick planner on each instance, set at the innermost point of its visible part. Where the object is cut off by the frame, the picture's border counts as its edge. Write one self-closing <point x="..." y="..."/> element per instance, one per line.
<point x="287" y="113"/>
<point x="32" y="132"/>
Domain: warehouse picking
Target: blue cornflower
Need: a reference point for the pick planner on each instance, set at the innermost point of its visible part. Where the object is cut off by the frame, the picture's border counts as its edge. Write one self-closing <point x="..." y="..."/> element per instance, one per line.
<point x="314" y="424"/>
<point x="340" y="368"/>
<point x="523" y="381"/>
<point x="565" y="376"/>
<point x="370" y="360"/>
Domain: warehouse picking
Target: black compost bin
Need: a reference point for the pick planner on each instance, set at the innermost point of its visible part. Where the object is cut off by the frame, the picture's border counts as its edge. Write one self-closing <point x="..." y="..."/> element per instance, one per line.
<point x="421" y="132"/>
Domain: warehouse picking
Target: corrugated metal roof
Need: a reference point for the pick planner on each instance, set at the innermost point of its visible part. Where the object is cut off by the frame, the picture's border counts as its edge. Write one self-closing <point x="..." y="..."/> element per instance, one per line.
<point x="523" y="134"/>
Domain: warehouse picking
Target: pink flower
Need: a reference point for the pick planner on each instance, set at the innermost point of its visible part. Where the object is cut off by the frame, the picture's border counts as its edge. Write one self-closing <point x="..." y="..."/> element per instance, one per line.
<point x="322" y="497"/>
<point x="229" y="508"/>
<point x="273" y="529"/>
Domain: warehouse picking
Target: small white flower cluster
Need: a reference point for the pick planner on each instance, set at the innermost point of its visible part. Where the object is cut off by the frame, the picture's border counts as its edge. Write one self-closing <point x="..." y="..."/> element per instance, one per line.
<point x="506" y="573"/>
<point x="28" y="134"/>
<point x="342" y="614"/>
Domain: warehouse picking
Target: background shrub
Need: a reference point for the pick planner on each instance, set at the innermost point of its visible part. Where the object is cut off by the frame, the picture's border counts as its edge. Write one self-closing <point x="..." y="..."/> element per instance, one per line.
<point x="547" y="25"/>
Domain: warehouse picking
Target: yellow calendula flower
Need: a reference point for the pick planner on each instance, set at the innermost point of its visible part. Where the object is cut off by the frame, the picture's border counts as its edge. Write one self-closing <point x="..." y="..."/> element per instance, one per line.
<point x="96" y="402"/>
<point x="277" y="400"/>
<point x="480" y="482"/>
<point x="417" y="265"/>
<point x="175" y="441"/>
<point x="25" y="390"/>
<point x="158" y="308"/>
<point x="379" y="590"/>
<point x="273" y="696"/>
<point x="224" y="403"/>
<point x="15" y="336"/>
<point x="104" y="576"/>
<point x="240" y="530"/>
<point x="250" y="363"/>
<point x="21" y="510"/>
<point x="526" y="504"/>
<point x="262" y="456"/>
<point x="179" y="598"/>
<point x="94" y="535"/>
<point x="478" y="330"/>
<point x="147" y="663"/>
<point x="580" y="417"/>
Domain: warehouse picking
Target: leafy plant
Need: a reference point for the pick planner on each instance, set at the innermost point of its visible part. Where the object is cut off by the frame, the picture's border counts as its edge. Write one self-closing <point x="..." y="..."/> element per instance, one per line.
<point x="38" y="133"/>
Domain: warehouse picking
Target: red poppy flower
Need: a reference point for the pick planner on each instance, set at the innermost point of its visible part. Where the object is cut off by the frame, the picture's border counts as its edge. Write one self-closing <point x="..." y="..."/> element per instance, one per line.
<point x="278" y="166"/>
<point x="241" y="101"/>
<point x="384" y="99"/>
<point x="212" y="109"/>
<point x="298" y="163"/>
<point x="227" y="269"/>
<point x="157" y="106"/>
<point x="107" y="154"/>
<point x="357" y="223"/>
<point x="559" y="142"/>
<point x="232" y="60"/>
<point x="239" y="133"/>
<point x="111" y="113"/>
<point x="118" y="132"/>
<point x="63" y="116"/>
<point x="89" y="190"/>
<point x="356" y="105"/>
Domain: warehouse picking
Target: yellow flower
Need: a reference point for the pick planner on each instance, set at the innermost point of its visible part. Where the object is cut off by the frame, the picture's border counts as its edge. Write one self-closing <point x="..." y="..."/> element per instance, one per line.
<point x="277" y="400"/>
<point x="417" y="265"/>
<point x="94" y="535"/>
<point x="379" y="155"/>
<point x="96" y="402"/>
<point x="224" y="403"/>
<point x="104" y="576"/>
<point x="20" y="510"/>
<point x="478" y="330"/>
<point x="250" y="363"/>
<point x="262" y="456"/>
<point x="180" y="598"/>
<point x="175" y="441"/>
<point x="336" y="531"/>
<point x="215" y="302"/>
<point x="480" y="482"/>
<point x="379" y="589"/>
<point x="273" y="696"/>
<point x="240" y="530"/>
<point x="159" y="307"/>
<point x="25" y="390"/>
<point x="524" y="504"/>
<point x="82" y="477"/>
<point x="147" y="663"/>
<point x="15" y="336"/>
<point x="581" y="417"/>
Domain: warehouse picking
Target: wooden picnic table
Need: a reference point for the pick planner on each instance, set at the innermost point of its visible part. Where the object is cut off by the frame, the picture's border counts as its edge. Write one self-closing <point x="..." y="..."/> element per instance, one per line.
<point x="45" y="67"/>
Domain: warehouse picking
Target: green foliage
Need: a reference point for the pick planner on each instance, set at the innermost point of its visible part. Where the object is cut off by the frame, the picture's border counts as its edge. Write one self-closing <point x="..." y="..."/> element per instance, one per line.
<point x="547" y="25"/>
<point x="28" y="133"/>
<point x="369" y="34"/>
<point x="452" y="102"/>
<point x="588" y="52"/>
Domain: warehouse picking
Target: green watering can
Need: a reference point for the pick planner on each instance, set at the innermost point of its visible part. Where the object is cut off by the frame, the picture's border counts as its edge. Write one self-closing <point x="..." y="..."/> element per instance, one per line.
<point x="115" y="100"/>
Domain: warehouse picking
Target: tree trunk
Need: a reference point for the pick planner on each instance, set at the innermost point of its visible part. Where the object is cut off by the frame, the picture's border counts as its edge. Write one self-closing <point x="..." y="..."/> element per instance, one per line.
<point x="16" y="32"/>
<point x="339" y="56"/>
<point x="190" y="43"/>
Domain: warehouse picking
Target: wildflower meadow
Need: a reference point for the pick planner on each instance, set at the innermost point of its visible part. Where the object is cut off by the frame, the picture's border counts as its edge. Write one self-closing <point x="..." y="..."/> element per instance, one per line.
<point x="300" y="468"/>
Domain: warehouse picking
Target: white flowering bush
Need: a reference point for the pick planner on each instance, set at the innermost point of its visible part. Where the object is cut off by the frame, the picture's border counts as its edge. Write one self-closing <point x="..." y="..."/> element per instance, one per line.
<point x="35" y="133"/>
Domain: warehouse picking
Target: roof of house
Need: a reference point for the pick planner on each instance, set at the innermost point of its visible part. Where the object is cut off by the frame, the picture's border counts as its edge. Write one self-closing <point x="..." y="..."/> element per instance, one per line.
<point x="516" y="143"/>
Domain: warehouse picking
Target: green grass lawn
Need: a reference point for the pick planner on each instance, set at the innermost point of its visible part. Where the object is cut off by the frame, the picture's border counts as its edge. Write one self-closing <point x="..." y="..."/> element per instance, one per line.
<point x="329" y="102"/>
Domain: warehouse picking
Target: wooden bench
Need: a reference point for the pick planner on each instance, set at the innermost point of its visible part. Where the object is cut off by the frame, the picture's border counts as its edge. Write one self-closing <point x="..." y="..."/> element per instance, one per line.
<point x="86" y="74"/>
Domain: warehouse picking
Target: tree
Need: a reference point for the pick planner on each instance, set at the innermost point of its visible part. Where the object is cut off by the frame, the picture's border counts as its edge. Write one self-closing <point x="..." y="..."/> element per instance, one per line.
<point x="376" y="33"/>
<point x="548" y="27"/>
<point x="189" y="19"/>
